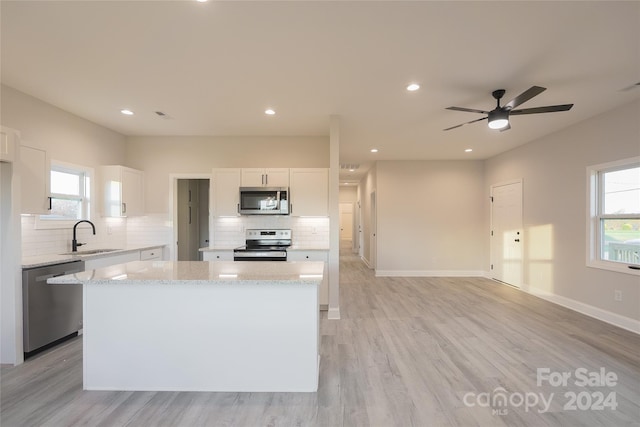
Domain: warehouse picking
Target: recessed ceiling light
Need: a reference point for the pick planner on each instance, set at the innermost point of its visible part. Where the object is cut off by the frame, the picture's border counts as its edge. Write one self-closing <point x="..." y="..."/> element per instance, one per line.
<point x="374" y="150"/>
<point x="351" y="170"/>
<point x="269" y="112"/>
<point x="201" y="1"/>
<point x="413" y="87"/>
<point x="468" y="150"/>
<point x="127" y="112"/>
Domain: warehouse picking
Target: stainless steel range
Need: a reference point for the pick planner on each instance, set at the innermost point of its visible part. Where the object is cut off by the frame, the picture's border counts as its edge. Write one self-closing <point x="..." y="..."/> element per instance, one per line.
<point x="264" y="245"/>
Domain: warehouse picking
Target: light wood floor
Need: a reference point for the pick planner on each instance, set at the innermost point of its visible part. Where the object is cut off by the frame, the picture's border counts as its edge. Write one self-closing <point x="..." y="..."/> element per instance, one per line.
<point x="407" y="352"/>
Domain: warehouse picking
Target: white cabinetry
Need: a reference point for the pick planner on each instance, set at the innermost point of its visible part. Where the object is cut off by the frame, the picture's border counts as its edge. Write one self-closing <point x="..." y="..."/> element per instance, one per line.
<point x="226" y="192"/>
<point x="8" y="141"/>
<point x="296" y="255"/>
<point x="106" y="261"/>
<point x="222" y="255"/>
<point x="259" y="177"/>
<point x="123" y="191"/>
<point x="151" y="254"/>
<point x="309" y="192"/>
<point x="35" y="174"/>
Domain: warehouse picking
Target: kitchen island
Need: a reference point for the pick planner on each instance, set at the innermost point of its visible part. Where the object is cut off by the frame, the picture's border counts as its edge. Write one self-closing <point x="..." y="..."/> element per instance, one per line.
<point x="201" y="326"/>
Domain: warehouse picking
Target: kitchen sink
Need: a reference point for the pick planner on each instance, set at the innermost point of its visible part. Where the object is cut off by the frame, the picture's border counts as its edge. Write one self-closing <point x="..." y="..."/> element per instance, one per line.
<point x="91" y="252"/>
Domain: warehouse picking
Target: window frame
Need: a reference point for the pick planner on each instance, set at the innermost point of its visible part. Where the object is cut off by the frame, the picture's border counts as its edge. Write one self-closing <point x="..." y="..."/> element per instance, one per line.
<point x="595" y="215"/>
<point x="87" y="204"/>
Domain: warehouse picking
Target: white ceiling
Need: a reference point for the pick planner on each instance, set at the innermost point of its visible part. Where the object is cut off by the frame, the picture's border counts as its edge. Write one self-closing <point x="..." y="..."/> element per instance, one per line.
<point x="215" y="67"/>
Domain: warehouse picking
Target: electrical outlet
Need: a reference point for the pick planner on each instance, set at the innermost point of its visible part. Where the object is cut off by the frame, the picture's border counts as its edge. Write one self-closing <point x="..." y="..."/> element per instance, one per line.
<point x="617" y="295"/>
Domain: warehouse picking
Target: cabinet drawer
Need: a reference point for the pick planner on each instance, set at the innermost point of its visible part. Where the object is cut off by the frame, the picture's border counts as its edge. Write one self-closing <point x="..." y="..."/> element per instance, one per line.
<point x="218" y="256"/>
<point x="150" y="254"/>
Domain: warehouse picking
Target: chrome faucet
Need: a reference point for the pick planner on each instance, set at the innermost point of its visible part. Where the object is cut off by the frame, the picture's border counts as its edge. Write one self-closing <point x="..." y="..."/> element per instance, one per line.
<point x="74" y="242"/>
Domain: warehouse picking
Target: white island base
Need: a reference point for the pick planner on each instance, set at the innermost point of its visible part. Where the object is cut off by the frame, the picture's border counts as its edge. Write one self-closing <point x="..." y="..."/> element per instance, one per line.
<point x="255" y="332"/>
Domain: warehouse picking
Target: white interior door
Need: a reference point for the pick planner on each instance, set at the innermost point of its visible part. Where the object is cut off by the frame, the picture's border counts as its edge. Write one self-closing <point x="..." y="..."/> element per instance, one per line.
<point x="373" y="243"/>
<point x="506" y="233"/>
<point x="346" y="221"/>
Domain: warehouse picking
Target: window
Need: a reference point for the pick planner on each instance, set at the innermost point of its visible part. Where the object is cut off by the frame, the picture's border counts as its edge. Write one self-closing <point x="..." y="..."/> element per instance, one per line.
<point x="70" y="195"/>
<point x="614" y="215"/>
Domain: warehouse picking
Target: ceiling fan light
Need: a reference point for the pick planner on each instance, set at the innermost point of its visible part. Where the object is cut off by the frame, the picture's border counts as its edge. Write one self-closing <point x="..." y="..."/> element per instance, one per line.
<point x="498" y="119"/>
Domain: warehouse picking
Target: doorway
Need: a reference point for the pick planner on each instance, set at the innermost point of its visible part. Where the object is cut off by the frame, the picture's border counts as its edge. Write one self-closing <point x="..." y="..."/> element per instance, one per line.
<point x="506" y="233"/>
<point x="346" y="225"/>
<point x="193" y="218"/>
<point x="373" y="244"/>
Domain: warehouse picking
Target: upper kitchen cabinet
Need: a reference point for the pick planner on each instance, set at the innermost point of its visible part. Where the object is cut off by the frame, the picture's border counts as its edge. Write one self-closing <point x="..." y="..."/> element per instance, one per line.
<point x="259" y="177"/>
<point x="35" y="175"/>
<point x="8" y="142"/>
<point x="309" y="192"/>
<point x="123" y="191"/>
<point x="226" y="192"/>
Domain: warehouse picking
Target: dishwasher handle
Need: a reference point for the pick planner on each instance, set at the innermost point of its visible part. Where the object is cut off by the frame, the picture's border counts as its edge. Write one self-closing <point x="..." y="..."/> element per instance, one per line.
<point x="44" y="277"/>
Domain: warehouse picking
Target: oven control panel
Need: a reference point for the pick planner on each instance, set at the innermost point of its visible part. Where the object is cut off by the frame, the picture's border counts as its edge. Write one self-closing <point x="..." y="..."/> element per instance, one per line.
<point x="275" y="234"/>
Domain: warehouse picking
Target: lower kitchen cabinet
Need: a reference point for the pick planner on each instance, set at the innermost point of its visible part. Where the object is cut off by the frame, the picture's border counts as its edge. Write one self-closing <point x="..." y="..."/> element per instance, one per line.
<point x="295" y="255"/>
<point x="151" y="254"/>
<point x="106" y="261"/>
<point x="217" y="255"/>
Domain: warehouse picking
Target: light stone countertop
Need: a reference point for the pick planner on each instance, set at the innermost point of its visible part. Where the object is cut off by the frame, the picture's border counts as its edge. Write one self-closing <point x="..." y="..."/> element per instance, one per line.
<point x="200" y="273"/>
<point x="50" y="259"/>
<point x="290" y="248"/>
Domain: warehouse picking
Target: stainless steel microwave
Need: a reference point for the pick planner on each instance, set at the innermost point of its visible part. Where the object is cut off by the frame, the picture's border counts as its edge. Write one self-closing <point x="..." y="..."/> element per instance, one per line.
<point x="264" y="201"/>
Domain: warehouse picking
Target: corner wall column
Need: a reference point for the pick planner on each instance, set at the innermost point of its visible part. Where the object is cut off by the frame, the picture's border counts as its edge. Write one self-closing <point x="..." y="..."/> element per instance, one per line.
<point x="334" y="218"/>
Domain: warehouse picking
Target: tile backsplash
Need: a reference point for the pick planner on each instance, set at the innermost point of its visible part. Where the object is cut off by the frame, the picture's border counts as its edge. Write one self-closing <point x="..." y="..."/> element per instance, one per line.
<point x="110" y="233"/>
<point x="156" y="229"/>
<point x="307" y="232"/>
<point x="151" y="229"/>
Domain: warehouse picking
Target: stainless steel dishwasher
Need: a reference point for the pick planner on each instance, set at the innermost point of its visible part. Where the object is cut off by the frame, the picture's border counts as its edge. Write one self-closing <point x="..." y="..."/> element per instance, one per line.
<point x="50" y="312"/>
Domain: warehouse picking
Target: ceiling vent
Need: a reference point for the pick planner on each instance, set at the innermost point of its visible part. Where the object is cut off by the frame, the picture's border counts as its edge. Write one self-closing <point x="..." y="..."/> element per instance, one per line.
<point x="349" y="166"/>
<point x="162" y="115"/>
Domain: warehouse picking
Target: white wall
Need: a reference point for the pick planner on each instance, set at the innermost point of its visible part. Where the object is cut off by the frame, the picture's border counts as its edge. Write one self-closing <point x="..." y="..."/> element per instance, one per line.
<point x="160" y="156"/>
<point x="430" y="218"/>
<point x="64" y="136"/>
<point x="348" y="194"/>
<point x="553" y="170"/>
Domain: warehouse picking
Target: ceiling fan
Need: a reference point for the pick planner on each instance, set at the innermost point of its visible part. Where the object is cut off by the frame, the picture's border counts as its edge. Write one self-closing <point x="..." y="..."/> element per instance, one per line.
<point x="499" y="117"/>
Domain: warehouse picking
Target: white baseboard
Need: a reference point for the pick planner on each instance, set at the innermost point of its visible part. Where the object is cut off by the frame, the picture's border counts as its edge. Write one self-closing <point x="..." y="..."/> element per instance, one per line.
<point x="606" y="316"/>
<point x="429" y="273"/>
<point x="333" y="314"/>
<point x="366" y="262"/>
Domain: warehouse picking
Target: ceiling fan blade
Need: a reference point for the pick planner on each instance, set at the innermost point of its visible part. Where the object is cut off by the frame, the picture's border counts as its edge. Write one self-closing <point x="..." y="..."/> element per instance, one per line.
<point x="467" y="123"/>
<point x="524" y="97"/>
<point x="536" y="110"/>
<point x="468" y="110"/>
